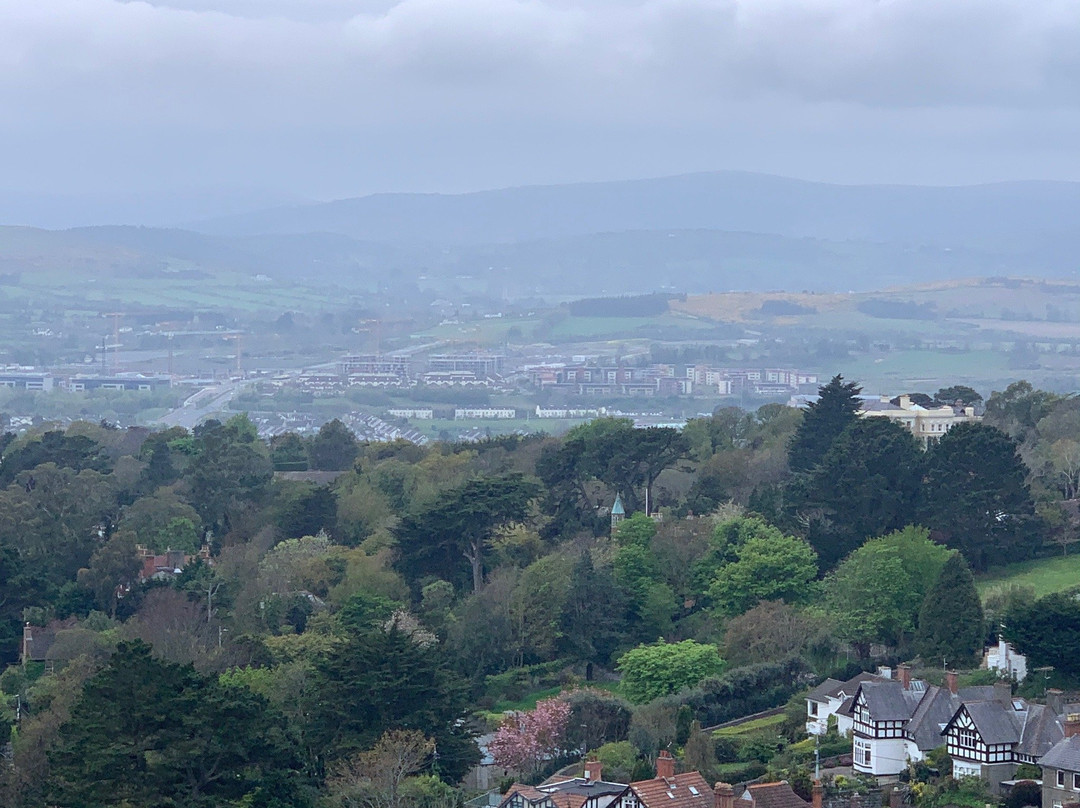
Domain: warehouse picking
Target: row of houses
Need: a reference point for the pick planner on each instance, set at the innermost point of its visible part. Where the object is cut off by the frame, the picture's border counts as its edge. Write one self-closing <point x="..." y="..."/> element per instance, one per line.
<point x="666" y="380"/>
<point x="477" y="368"/>
<point x="988" y="732"/>
<point x="666" y="790"/>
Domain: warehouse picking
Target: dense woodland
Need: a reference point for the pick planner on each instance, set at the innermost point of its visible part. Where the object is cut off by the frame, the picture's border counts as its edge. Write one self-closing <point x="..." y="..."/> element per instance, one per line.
<point x="390" y="611"/>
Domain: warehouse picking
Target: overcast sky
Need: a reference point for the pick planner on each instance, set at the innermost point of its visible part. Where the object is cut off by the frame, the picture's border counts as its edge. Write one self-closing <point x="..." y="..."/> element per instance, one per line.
<point x="332" y="98"/>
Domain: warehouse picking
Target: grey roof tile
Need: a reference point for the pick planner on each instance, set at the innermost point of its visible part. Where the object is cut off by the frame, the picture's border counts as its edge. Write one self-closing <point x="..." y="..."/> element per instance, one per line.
<point x="1065" y="754"/>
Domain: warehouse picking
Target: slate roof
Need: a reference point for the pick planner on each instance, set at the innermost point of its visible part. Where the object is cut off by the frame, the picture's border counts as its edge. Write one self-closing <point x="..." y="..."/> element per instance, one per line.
<point x="888" y="701"/>
<point x="534" y="796"/>
<point x="1064" y="755"/>
<point x="39" y="642"/>
<point x="588" y="788"/>
<point x="829" y="688"/>
<point x="686" y="790"/>
<point x="832" y="688"/>
<point x="935" y="710"/>
<point x="997" y="723"/>
<point x="1042" y="729"/>
<point x="774" y="795"/>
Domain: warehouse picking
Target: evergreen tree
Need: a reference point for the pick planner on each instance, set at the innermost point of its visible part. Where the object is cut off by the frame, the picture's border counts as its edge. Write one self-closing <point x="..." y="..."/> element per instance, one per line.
<point x="951" y="618"/>
<point x="867" y="484"/>
<point x="587" y="633"/>
<point x="823" y="422"/>
<point x="385" y="678"/>
<point x="151" y="733"/>
<point x="976" y="497"/>
<point x="1047" y="632"/>
<point x="334" y="447"/>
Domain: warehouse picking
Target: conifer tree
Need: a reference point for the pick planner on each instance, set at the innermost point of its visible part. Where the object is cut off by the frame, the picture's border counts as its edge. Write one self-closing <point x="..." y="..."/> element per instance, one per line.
<point x="823" y="422"/>
<point x="951" y="618"/>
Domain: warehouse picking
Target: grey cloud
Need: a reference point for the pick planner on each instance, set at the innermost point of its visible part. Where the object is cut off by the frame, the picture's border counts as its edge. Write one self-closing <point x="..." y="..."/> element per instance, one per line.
<point x="570" y="78"/>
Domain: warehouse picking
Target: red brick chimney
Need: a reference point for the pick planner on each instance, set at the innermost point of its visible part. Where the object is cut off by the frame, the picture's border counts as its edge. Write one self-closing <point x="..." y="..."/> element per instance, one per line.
<point x="592" y="770"/>
<point x="665" y="765"/>
<point x="905" y="676"/>
<point x="815" y="794"/>
<point x="1071" y="724"/>
<point x="952" y="680"/>
<point x="723" y="795"/>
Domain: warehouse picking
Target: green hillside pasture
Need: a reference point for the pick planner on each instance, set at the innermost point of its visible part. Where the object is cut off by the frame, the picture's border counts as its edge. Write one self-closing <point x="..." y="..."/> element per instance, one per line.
<point x="769" y="722"/>
<point x="909" y="371"/>
<point x="1045" y="575"/>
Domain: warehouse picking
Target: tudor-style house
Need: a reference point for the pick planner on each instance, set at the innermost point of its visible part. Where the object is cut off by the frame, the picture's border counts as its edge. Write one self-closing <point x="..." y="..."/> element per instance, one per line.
<point x="898" y="721"/>
<point x="990" y="738"/>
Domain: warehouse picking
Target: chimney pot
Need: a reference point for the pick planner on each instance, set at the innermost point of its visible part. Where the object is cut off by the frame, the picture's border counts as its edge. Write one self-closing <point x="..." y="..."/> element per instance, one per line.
<point x="815" y="794"/>
<point x="723" y="795"/>
<point x="952" y="680"/>
<point x="1055" y="700"/>
<point x="905" y="676"/>
<point x="1072" y="725"/>
<point x="592" y="770"/>
<point x="1003" y="692"/>
<point x="665" y="765"/>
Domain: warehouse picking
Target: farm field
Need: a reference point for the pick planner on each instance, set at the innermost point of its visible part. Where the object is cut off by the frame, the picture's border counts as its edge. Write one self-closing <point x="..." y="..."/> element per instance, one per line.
<point x="1044" y="575"/>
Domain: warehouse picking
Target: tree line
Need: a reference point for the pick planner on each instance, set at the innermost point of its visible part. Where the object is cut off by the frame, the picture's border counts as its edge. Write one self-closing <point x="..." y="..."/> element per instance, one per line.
<point x="428" y="587"/>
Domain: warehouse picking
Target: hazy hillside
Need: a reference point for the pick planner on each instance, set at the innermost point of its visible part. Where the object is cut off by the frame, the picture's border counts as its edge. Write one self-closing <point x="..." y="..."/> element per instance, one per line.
<point x="584" y="265"/>
<point x="1003" y="216"/>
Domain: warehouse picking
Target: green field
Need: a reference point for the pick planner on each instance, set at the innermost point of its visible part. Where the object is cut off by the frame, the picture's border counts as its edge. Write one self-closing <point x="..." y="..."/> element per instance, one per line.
<point x="924" y="371"/>
<point x="529" y="702"/>
<point x="768" y="722"/>
<point x="1046" y="575"/>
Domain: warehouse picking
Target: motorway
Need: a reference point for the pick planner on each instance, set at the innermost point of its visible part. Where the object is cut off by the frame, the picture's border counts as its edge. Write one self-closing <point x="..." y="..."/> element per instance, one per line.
<point x="202" y="405"/>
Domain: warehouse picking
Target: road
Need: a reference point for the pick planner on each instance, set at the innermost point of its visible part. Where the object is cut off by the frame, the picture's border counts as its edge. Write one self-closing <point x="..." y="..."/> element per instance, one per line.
<point x="202" y="405"/>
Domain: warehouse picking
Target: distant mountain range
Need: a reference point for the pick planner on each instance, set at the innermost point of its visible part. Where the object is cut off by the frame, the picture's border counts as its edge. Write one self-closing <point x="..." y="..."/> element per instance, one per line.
<point x="1006" y="216"/>
<point x="692" y="233"/>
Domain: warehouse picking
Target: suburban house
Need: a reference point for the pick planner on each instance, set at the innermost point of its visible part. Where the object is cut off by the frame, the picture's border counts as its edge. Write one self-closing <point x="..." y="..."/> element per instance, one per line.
<point x="1003" y="658"/>
<point x="1061" y="766"/>
<point x="589" y="791"/>
<point x="666" y="790"/>
<point x="669" y="790"/>
<point x="773" y="795"/>
<point x="990" y="738"/>
<point x="900" y="720"/>
<point x="36" y="642"/>
<point x="828" y="699"/>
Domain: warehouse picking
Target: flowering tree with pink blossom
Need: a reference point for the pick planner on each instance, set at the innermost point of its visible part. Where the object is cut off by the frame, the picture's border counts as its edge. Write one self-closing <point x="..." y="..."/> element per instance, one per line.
<point x="526" y="739"/>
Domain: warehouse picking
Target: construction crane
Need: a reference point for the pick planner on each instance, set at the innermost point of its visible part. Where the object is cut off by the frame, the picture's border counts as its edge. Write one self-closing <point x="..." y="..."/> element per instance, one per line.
<point x="116" y="315"/>
<point x="239" y="350"/>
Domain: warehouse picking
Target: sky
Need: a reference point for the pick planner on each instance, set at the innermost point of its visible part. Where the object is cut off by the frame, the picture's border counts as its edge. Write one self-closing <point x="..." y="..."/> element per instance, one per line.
<point x="264" y="101"/>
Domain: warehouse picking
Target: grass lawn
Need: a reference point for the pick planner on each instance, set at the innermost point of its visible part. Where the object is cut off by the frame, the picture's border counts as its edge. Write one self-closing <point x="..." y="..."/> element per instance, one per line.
<point x="768" y="722"/>
<point x="1046" y="575"/>
<point x="529" y="702"/>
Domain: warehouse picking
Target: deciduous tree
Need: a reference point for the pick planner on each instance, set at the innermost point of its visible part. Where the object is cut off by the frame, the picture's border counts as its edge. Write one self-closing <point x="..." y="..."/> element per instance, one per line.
<point x="650" y="671"/>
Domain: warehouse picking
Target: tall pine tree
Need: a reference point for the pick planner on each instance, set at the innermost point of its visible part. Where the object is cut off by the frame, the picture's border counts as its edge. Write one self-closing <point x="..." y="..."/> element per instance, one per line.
<point x="386" y="678"/>
<point x="823" y="422"/>
<point x="951" y="617"/>
<point x="976" y="498"/>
